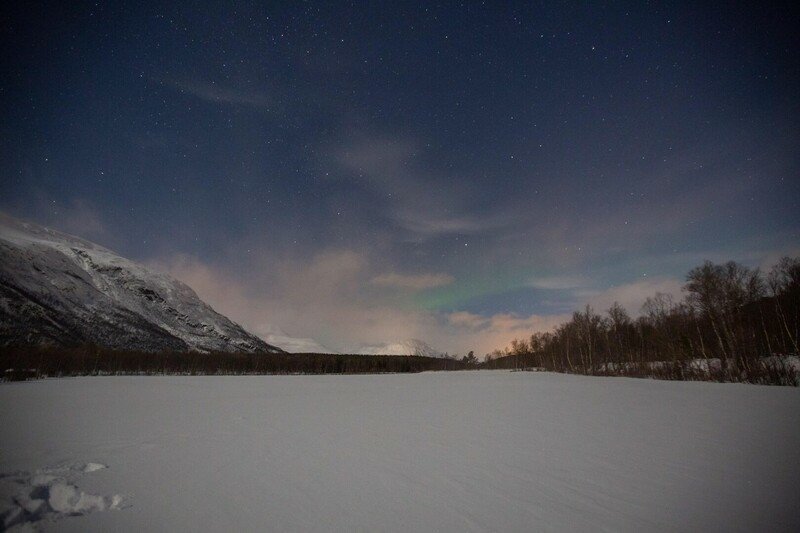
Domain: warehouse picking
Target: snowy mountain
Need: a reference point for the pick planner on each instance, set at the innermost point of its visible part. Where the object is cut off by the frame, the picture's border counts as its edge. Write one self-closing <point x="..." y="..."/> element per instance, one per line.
<point x="277" y="337"/>
<point x="407" y="347"/>
<point x="60" y="290"/>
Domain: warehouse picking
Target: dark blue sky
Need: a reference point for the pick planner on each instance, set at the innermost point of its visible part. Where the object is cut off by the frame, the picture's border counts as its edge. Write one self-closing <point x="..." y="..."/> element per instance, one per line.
<point x="353" y="172"/>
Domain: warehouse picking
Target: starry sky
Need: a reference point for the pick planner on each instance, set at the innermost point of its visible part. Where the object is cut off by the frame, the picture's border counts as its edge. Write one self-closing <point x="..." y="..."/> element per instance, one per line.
<point x="462" y="173"/>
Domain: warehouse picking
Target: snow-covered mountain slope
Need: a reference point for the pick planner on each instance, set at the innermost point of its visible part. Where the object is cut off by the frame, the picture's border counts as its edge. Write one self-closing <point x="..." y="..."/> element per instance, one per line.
<point x="407" y="347"/>
<point x="277" y="337"/>
<point x="60" y="290"/>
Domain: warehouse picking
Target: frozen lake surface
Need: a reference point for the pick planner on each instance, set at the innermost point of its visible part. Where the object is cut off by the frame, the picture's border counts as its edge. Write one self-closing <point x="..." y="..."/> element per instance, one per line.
<point x="459" y="451"/>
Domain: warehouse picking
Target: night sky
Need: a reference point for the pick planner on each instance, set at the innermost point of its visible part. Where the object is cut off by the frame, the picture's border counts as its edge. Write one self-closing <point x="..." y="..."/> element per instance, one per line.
<point x="456" y="172"/>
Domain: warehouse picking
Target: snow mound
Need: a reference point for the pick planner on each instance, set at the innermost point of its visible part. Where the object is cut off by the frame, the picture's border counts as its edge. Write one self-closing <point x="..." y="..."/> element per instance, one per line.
<point x="93" y="467"/>
<point x="407" y="347"/>
<point x="49" y="494"/>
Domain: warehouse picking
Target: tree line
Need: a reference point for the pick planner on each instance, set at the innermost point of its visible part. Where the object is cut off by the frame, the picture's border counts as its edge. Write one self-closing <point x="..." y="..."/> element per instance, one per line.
<point x="25" y="362"/>
<point x="733" y="323"/>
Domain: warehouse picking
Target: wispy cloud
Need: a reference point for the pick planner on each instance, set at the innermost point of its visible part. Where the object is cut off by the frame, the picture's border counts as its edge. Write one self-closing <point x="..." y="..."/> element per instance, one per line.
<point x="630" y="295"/>
<point x="211" y="91"/>
<point x="487" y="333"/>
<point x="384" y="159"/>
<point x="412" y="281"/>
<point x="420" y="200"/>
<point x="327" y="297"/>
<point x="558" y="282"/>
<point x="322" y="296"/>
<point x="76" y="216"/>
<point x="430" y="224"/>
<point x="81" y="218"/>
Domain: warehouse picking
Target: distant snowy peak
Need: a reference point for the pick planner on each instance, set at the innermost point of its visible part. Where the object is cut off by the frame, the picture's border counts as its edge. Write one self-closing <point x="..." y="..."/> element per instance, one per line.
<point x="277" y="337"/>
<point x="61" y="290"/>
<point x="407" y="347"/>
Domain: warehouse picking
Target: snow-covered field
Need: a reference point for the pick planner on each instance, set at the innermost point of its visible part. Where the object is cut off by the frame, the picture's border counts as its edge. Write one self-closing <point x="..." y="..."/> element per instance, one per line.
<point x="459" y="451"/>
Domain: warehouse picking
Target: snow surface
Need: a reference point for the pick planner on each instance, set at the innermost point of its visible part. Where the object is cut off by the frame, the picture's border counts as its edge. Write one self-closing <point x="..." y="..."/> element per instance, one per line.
<point x="457" y="451"/>
<point x="407" y="347"/>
